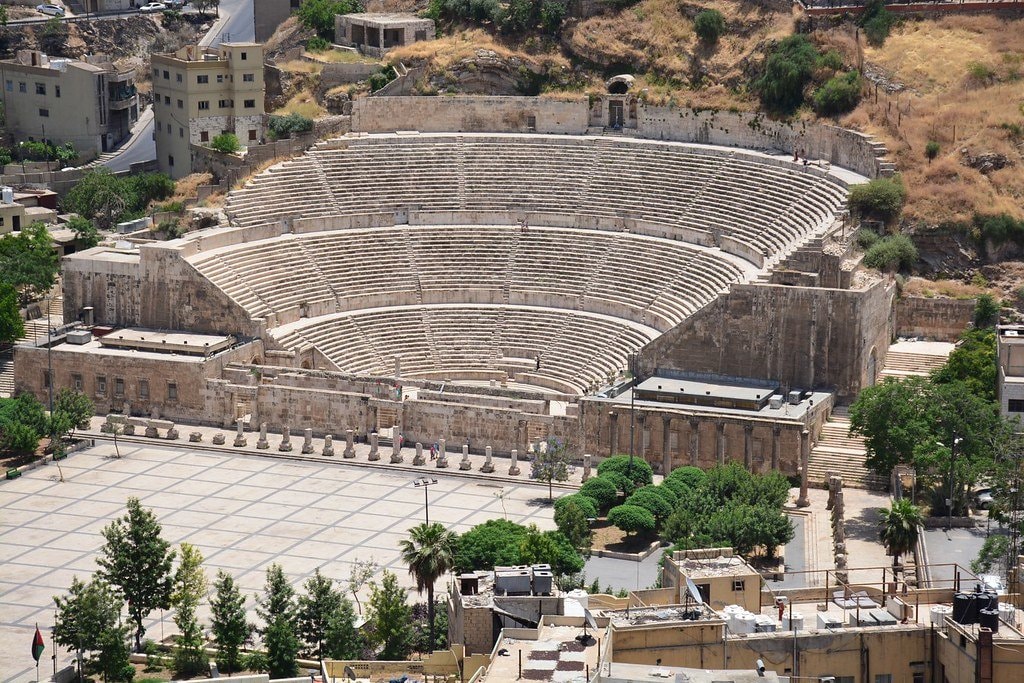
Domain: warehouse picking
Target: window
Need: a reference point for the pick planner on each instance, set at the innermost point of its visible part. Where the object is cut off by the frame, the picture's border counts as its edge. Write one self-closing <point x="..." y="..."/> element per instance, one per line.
<point x="252" y="133"/>
<point x="45" y="113"/>
<point x="156" y="73"/>
<point x="101" y="385"/>
<point x="250" y="104"/>
<point x="883" y="678"/>
<point x="737" y="585"/>
<point x="167" y="76"/>
<point x="9" y="85"/>
<point x="181" y="105"/>
<point x="203" y="78"/>
<point x="1" y="221"/>
<point x="76" y="380"/>
<point x="170" y="160"/>
<point x="245" y="55"/>
<point x="220" y="78"/>
<point x="172" y="391"/>
<point x="178" y="77"/>
<point x="22" y="87"/>
<point x="181" y="132"/>
<point x="56" y="90"/>
<point x="204" y="136"/>
<point x="420" y="35"/>
<point x="40" y="88"/>
<point x="46" y="379"/>
<point x="167" y="100"/>
<point x="1016" y="405"/>
<point x="224" y="104"/>
<point x="248" y="78"/>
<point x="144" y="388"/>
<point x="118" y="387"/>
<point x="159" y="126"/>
<point x="204" y="105"/>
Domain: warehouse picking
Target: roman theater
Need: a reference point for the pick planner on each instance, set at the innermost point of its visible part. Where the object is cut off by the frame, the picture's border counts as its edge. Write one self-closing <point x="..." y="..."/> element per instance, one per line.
<point x="498" y="271"/>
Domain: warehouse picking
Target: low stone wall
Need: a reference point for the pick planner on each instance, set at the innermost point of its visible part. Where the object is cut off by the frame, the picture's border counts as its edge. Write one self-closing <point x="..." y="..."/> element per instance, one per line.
<point x="469" y="114"/>
<point x="933" y="319"/>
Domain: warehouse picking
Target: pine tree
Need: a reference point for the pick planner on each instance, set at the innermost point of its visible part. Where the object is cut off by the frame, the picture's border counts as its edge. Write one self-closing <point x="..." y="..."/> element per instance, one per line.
<point x="230" y="629"/>
<point x="189" y="589"/>
<point x="342" y="640"/>
<point x="277" y="609"/>
<point x="137" y="562"/>
<point x="84" y="615"/>
<point x="321" y="601"/>
<point x="391" y="618"/>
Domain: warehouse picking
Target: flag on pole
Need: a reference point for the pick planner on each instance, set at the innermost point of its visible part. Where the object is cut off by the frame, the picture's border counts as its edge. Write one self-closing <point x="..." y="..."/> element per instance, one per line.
<point x="37" y="645"/>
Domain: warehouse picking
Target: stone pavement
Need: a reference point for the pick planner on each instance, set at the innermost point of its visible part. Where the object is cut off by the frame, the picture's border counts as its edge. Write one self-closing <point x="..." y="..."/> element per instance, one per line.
<point x="243" y="512"/>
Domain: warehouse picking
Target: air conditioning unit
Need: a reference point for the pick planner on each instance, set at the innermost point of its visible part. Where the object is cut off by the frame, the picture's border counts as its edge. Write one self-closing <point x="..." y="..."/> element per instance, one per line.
<point x="793" y="397"/>
<point x="79" y="337"/>
<point x="542" y="582"/>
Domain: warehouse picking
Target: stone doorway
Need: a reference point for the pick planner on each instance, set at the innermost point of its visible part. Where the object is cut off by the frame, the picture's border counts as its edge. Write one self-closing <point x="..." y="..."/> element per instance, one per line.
<point x="615" y="113"/>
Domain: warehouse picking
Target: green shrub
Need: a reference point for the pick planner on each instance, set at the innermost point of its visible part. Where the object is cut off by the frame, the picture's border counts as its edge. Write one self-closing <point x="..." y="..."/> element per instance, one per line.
<point x="880" y="198"/>
<point x="652" y="502"/>
<point x="931" y="150"/>
<point x="1000" y="228"/>
<point x="876" y="21"/>
<point x="636" y="469"/>
<point x="584" y="503"/>
<point x="621" y="482"/>
<point x="666" y="493"/>
<point x="171" y="207"/>
<point x="5" y="156"/>
<point x="787" y="70"/>
<point x="986" y="311"/>
<point x="894" y="252"/>
<point x="838" y="95"/>
<point x="85" y="231"/>
<point x="689" y="476"/>
<point x="709" y="25"/>
<point x="318" y="15"/>
<point x="381" y="78"/>
<point x="281" y="127"/>
<point x="601" y="491"/>
<point x="632" y="519"/>
<point x="226" y="142"/>
<point x="317" y="44"/>
<point x="831" y="60"/>
<point x="866" y="238"/>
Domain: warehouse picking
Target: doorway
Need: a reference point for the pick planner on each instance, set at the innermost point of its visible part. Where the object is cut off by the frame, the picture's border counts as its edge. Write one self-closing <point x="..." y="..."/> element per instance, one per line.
<point x="615" y="113"/>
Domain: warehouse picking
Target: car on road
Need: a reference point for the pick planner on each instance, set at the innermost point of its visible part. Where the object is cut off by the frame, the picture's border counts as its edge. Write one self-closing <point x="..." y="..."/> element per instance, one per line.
<point x="51" y="10"/>
<point x="983" y="499"/>
<point x="153" y="7"/>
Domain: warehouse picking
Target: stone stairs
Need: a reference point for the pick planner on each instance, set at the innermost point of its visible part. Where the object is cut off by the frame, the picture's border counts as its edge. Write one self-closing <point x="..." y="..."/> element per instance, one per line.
<point x="907" y="364"/>
<point x="6" y="375"/>
<point x="842" y="453"/>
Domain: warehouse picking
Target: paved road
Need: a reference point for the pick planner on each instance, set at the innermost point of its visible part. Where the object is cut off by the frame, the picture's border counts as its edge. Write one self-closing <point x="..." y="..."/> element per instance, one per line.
<point x="237" y="24"/>
<point x="795" y="554"/>
<point x="625" y="574"/>
<point x="140" y="147"/>
<point x="942" y="548"/>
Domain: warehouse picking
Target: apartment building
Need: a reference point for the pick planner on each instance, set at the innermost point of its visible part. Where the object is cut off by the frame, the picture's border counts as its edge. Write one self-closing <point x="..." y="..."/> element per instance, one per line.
<point x="87" y="102"/>
<point x="199" y="93"/>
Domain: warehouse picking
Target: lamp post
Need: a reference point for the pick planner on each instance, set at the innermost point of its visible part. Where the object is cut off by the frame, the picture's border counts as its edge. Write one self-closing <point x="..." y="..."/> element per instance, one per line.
<point x="949" y="501"/>
<point x="632" y="412"/>
<point x="425" y="484"/>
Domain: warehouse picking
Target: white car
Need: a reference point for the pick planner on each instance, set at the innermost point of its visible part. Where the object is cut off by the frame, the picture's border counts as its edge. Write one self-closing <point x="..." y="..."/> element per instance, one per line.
<point x="153" y="7"/>
<point x="52" y="10"/>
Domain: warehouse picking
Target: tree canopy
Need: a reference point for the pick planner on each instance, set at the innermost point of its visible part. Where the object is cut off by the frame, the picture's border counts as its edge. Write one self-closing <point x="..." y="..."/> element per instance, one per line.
<point x="500" y="542"/>
<point x="318" y="15"/>
<point x="106" y="199"/>
<point x="228" y="622"/>
<point x="429" y="552"/>
<point x="88" y="612"/>
<point x="390" y="618"/>
<point x="899" y="527"/>
<point x="28" y="262"/>
<point x="12" y="327"/>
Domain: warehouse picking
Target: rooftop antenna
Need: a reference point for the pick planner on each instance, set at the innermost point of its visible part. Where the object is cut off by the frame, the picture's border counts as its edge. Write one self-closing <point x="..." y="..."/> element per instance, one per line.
<point x="588" y="623"/>
<point x="693" y="597"/>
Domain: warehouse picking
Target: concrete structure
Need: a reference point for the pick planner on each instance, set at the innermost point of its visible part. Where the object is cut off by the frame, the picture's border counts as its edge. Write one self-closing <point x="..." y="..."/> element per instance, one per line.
<point x="199" y="93"/>
<point x="23" y="208"/>
<point x="722" y="578"/>
<point x="1010" y="355"/>
<point x="269" y="14"/>
<point x="88" y="103"/>
<point x="376" y="33"/>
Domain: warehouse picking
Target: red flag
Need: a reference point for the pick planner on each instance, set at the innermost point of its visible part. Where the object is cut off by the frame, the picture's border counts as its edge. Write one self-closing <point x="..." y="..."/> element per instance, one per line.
<point x="37" y="645"/>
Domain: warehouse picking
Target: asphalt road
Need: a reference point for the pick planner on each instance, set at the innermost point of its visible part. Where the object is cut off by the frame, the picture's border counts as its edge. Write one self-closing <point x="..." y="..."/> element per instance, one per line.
<point x="141" y="147"/>
<point x="238" y="27"/>
<point x="959" y="546"/>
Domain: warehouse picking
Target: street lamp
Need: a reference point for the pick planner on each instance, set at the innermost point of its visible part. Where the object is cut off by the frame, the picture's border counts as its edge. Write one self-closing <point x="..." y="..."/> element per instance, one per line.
<point x="632" y="412"/>
<point x="425" y="484"/>
<point x="949" y="501"/>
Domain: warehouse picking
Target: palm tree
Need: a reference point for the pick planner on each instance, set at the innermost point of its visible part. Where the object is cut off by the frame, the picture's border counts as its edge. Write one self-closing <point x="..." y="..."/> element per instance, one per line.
<point x="900" y="525"/>
<point x="430" y="553"/>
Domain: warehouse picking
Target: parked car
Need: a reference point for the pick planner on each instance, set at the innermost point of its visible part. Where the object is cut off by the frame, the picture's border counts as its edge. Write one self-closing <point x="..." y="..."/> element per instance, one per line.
<point x="153" y="7"/>
<point x="983" y="499"/>
<point x="51" y="10"/>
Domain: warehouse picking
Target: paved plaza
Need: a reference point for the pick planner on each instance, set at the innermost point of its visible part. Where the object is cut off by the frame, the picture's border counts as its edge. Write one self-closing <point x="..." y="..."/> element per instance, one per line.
<point x="243" y="512"/>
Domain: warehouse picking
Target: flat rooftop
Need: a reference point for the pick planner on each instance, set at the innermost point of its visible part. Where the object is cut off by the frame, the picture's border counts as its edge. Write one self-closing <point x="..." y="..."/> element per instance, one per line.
<point x="641" y="673"/>
<point x="555" y="655"/>
<point x="166" y="342"/>
<point x="714" y="566"/>
<point x="385" y="17"/>
<point x="786" y="410"/>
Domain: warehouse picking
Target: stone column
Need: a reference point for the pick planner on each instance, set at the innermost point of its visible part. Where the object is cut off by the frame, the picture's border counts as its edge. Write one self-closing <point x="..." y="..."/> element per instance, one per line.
<point x="613" y="437"/>
<point x="464" y="464"/>
<point x="417" y="459"/>
<point x="776" y="434"/>
<point x="374" y="447"/>
<point x="586" y="466"/>
<point x="488" y="465"/>
<point x="350" y="448"/>
<point x="748" y="447"/>
<point x="307" y="440"/>
<point x="262" y="443"/>
<point x="442" y="454"/>
<point x="172" y="433"/>
<point x="240" y="439"/>
<point x="666" y="438"/>
<point x="286" y="441"/>
<point x="513" y="469"/>
<point x="396" y="445"/>
<point x="720" y="442"/>
<point x="694" y="442"/>
<point x="328" y="445"/>
<point x="805" y="452"/>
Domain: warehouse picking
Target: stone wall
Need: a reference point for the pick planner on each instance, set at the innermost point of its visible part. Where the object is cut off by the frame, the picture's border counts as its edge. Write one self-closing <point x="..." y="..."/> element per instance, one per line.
<point x="801" y="337"/>
<point x="469" y="114"/>
<point x="933" y="319"/>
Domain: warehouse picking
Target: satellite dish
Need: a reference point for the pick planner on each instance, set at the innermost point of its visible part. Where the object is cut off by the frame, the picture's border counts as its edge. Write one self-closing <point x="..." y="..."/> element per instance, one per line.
<point x="694" y="592"/>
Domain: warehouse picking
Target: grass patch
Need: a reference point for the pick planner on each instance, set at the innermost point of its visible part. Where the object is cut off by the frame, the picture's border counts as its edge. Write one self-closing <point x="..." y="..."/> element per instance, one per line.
<point x="303" y="104"/>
